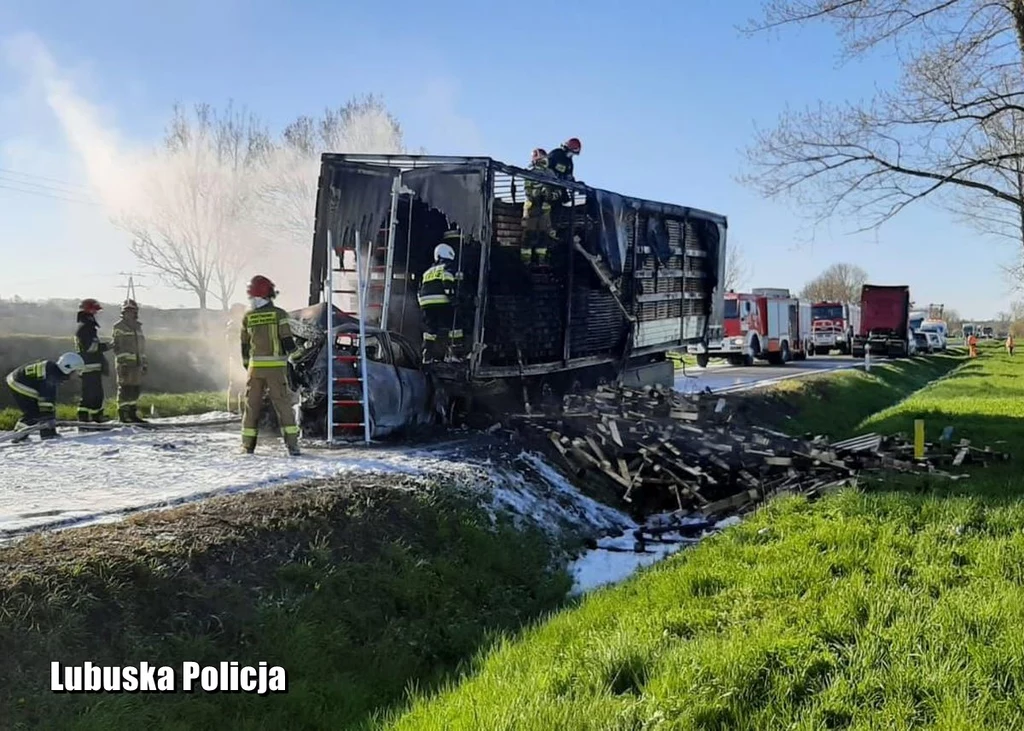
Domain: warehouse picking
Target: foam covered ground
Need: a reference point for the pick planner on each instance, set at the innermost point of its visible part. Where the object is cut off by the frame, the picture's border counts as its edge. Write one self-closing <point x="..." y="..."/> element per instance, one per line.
<point x="93" y="477"/>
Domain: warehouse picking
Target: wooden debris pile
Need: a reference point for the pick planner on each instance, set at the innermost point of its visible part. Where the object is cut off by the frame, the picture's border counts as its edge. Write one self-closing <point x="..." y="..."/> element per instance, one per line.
<point x="659" y="450"/>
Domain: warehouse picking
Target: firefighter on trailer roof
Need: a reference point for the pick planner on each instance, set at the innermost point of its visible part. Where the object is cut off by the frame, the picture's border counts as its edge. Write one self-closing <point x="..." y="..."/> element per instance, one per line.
<point x="130" y="362"/>
<point x="560" y="159"/>
<point x="436" y="299"/>
<point x="91" y="348"/>
<point x="34" y="387"/>
<point x="538" y="230"/>
<point x="266" y="344"/>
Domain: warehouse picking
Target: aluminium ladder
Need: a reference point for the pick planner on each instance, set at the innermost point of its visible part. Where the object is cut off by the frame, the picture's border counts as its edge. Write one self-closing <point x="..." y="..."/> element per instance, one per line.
<point x="372" y="295"/>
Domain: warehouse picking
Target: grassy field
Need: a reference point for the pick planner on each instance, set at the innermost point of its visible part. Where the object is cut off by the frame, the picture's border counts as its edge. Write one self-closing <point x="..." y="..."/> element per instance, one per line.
<point x="899" y="606"/>
<point x="357" y="588"/>
<point x="165" y="404"/>
<point x="836" y="403"/>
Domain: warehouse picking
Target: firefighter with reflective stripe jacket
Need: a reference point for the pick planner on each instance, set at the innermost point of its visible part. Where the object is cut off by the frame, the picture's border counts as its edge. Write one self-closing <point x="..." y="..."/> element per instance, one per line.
<point x="91" y="348"/>
<point x="436" y="298"/>
<point x="538" y="230"/>
<point x="266" y="344"/>
<point x="34" y="387"/>
<point x="129" y="362"/>
<point x="560" y="159"/>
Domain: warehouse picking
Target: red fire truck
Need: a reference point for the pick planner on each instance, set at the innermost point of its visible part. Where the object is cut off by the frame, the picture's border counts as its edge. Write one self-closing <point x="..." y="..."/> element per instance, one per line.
<point x="761" y="325"/>
<point x="834" y="324"/>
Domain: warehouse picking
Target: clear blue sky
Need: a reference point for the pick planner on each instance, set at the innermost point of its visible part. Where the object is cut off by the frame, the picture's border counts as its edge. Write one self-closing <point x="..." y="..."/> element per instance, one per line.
<point x="663" y="94"/>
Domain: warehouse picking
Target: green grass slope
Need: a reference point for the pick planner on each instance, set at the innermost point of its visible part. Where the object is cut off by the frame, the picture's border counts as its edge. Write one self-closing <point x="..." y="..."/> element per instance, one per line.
<point x="895" y="608"/>
<point x="358" y="587"/>
<point x="165" y="404"/>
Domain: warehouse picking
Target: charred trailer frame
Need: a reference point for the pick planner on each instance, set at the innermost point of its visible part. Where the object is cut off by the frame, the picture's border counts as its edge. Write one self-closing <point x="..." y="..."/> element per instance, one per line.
<point x="629" y="281"/>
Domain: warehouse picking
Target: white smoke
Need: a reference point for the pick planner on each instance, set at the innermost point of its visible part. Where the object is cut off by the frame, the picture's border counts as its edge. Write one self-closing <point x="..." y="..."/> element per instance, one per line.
<point x="259" y="219"/>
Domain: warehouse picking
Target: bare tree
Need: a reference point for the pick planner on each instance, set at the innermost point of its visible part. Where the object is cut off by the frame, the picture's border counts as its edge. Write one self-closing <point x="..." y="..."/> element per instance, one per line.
<point x="196" y="229"/>
<point x="839" y="283"/>
<point x="737" y="269"/>
<point x="932" y="134"/>
<point x="361" y="125"/>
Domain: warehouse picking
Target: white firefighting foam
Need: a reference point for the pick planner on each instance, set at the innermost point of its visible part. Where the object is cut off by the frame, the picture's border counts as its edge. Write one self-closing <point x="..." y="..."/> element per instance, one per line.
<point x="87" y="478"/>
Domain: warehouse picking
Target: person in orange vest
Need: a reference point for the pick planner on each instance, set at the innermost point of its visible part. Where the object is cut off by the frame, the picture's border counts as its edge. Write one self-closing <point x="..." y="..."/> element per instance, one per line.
<point x="972" y="344"/>
<point x="1009" y="344"/>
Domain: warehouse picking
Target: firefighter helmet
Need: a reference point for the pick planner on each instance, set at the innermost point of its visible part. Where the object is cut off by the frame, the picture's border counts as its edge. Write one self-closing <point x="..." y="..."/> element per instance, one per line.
<point x="538" y="154"/>
<point x="130" y="305"/>
<point x="260" y="286"/>
<point x="573" y="145"/>
<point x="90" y="306"/>
<point x="443" y="252"/>
<point x="70" y="363"/>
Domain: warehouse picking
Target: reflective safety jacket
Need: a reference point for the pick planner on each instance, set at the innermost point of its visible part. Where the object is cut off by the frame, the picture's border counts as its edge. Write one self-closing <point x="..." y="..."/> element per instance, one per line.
<point x="437" y="287"/>
<point x="88" y="345"/>
<point x="38" y="381"/>
<point x="537" y="191"/>
<point x="129" y="343"/>
<point x="266" y="338"/>
<point x="560" y="163"/>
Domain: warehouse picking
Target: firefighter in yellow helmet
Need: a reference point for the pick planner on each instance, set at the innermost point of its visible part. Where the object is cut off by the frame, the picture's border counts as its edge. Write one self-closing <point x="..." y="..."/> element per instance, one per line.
<point x="266" y="344"/>
<point x="130" y="363"/>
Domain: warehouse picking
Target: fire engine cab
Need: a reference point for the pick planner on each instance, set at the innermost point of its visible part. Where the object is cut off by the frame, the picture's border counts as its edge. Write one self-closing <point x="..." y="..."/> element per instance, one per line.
<point x="834" y="325"/>
<point x="761" y="325"/>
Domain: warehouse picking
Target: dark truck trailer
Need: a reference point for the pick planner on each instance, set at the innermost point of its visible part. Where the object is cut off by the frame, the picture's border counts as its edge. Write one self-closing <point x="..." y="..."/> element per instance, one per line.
<point x="629" y="280"/>
<point x="884" y="322"/>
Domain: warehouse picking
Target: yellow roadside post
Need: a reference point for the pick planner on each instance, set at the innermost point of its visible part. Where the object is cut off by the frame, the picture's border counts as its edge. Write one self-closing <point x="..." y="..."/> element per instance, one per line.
<point x="918" y="439"/>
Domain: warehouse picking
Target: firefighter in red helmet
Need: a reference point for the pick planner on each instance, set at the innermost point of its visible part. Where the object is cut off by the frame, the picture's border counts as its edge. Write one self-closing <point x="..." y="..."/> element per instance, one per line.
<point x="91" y="348"/>
<point x="560" y="159"/>
<point x="266" y="344"/>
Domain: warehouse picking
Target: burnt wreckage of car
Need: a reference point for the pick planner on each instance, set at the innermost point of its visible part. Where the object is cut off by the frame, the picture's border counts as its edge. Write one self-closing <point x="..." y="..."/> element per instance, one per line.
<point x="629" y="279"/>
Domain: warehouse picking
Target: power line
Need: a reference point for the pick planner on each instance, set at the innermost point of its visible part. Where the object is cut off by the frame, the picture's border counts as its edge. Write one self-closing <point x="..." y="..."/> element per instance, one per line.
<point x="4" y="178"/>
<point x="42" y="194"/>
<point x="18" y="173"/>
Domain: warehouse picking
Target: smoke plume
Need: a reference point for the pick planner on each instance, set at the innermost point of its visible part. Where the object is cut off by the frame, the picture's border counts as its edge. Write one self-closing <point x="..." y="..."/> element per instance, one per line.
<point x="253" y="216"/>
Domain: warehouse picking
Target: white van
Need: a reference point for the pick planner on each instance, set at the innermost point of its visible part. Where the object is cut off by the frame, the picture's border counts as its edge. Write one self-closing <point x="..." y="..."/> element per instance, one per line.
<point x="939" y="328"/>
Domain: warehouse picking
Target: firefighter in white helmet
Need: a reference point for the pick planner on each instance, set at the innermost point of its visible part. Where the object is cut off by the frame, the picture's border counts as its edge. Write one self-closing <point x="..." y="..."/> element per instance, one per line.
<point x="34" y="387"/>
<point x="436" y="298"/>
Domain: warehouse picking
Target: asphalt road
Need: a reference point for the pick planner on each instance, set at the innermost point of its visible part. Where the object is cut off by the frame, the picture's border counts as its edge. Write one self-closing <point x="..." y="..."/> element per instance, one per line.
<point x="724" y="378"/>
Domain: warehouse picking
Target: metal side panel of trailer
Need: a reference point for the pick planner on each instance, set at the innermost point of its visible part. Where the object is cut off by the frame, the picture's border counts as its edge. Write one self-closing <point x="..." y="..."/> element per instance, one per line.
<point x="644" y="278"/>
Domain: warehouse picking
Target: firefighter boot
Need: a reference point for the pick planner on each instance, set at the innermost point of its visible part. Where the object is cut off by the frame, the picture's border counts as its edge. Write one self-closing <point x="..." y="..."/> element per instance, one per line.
<point x="134" y="414"/>
<point x="84" y="416"/>
<point x="291" y="441"/>
<point x="248" y="445"/>
<point x="20" y="426"/>
<point x="100" y="418"/>
<point x="429" y="354"/>
<point x="124" y="414"/>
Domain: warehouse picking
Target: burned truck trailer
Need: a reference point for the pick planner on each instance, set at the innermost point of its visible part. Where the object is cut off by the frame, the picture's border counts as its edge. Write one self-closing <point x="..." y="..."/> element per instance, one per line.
<point x="628" y="280"/>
